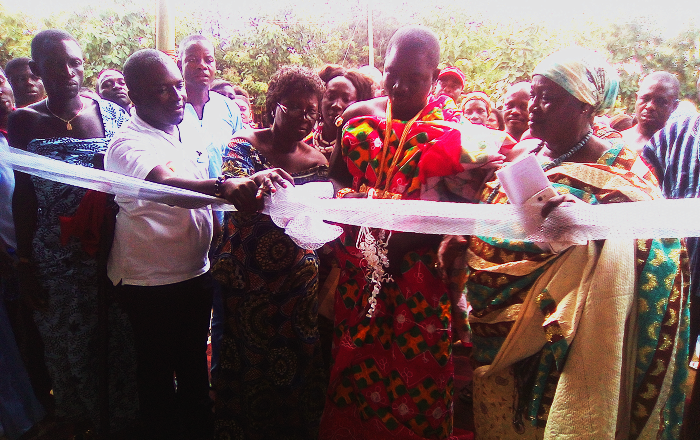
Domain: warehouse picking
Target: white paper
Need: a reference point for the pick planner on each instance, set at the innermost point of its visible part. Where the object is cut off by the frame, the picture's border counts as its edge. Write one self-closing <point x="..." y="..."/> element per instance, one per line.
<point x="522" y="179"/>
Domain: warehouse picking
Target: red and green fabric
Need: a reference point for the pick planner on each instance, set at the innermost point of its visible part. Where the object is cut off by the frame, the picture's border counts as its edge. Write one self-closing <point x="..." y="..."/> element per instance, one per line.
<point x="392" y="376"/>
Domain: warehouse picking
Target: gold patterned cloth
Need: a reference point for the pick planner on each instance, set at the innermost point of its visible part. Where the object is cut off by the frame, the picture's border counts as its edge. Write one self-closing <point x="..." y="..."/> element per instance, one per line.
<point x="592" y="340"/>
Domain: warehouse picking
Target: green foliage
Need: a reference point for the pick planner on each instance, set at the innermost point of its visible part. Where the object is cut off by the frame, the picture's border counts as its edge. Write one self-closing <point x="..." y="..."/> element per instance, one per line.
<point x="109" y="34"/>
<point x="16" y="31"/>
<point x="272" y="40"/>
<point x="492" y="53"/>
<point x="638" y="48"/>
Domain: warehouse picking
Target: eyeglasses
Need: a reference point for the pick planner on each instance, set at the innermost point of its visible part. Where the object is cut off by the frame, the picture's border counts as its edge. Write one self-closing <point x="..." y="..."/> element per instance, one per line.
<point x="299" y="112"/>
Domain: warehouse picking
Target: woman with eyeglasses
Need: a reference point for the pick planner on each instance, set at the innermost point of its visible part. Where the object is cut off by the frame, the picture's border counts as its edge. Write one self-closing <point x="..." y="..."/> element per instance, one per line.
<point x="270" y="353"/>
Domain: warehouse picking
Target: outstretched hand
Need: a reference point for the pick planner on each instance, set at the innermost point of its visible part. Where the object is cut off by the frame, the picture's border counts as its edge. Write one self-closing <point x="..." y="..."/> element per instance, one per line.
<point x="246" y="194"/>
<point x="267" y="178"/>
<point x="559" y="200"/>
<point x="557" y="228"/>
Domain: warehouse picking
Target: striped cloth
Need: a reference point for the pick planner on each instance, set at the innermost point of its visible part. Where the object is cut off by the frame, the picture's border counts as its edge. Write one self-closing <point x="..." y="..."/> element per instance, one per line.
<point x="674" y="155"/>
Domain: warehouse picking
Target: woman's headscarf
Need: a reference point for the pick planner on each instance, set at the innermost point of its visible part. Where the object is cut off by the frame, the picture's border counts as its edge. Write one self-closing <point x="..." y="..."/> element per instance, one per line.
<point x="583" y="73"/>
<point x="477" y="96"/>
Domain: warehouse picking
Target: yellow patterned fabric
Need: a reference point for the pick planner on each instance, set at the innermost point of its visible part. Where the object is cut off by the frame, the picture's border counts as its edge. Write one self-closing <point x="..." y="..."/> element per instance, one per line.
<point x="594" y="337"/>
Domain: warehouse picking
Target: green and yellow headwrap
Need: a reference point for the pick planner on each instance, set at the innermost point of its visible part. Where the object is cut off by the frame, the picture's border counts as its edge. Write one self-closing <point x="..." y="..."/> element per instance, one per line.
<point x="478" y="96"/>
<point x="583" y="73"/>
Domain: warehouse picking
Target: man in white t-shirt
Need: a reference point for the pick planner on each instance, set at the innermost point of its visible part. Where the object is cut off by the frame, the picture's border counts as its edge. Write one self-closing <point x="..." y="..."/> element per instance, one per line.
<point x="210" y="119"/>
<point x="159" y="258"/>
<point x="657" y="99"/>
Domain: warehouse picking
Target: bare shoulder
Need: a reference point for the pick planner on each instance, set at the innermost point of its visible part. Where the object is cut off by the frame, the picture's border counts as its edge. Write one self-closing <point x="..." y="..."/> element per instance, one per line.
<point x="23" y="125"/>
<point x="247" y="134"/>
<point x="633" y="139"/>
<point x="313" y="155"/>
<point x="91" y="105"/>
<point x="372" y="107"/>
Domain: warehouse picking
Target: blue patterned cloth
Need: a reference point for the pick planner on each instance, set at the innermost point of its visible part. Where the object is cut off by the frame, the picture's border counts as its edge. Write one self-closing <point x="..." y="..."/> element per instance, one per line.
<point x="674" y="154"/>
<point x="69" y="276"/>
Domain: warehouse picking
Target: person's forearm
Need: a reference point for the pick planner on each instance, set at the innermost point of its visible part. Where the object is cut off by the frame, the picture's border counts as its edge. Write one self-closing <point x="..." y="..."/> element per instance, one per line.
<point x="242" y="192"/>
<point x="204" y="186"/>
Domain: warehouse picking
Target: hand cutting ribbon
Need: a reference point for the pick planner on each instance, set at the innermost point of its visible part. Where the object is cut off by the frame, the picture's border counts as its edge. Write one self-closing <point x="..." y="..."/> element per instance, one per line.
<point x="302" y="210"/>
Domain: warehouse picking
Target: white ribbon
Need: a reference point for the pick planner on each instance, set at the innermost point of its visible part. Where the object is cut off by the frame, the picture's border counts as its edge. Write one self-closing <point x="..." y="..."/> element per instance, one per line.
<point x="104" y="181"/>
<point x="577" y="223"/>
<point x="302" y="221"/>
<point x="302" y="210"/>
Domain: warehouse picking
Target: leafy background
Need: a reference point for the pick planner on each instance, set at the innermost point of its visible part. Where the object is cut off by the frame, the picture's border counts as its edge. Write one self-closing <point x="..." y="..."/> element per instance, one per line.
<point x="492" y="52"/>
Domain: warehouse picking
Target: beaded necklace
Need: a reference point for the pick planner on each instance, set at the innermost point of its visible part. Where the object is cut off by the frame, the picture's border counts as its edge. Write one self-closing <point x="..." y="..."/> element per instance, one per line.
<point x="321" y="144"/>
<point x="374" y="250"/>
<point x="549" y="165"/>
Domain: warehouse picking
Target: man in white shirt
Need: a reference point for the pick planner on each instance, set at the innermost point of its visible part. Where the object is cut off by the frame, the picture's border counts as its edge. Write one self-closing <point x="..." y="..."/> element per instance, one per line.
<point x="159" y="258"/>
<point x="657" y="98"/>
<point x="209" y="122"/>
<point x="210" y="119"/>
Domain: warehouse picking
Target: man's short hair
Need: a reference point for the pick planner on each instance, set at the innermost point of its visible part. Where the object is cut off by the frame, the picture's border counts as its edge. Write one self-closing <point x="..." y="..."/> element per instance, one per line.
<point x="521" y="86"/>
<point x="419" y="39"/>
<point x="666" y="78"/>
<point x="139" y="62"/>
<point x="17" y="63"/>
<point x="44" y="40"/>
<point x="187" y="40"/>
<point x="219" y="83"/>
<point x="101" y="78"/>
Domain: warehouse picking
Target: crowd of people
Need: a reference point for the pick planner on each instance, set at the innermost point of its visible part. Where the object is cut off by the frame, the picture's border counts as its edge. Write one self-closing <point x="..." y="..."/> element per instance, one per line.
<point x="107" y="304"/>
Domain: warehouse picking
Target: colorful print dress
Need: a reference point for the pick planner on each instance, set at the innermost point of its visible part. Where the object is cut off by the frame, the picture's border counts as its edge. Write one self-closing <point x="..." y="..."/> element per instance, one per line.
<point x="505" y="287"/>
<point x="69" y="276"/>
<point x="271" y="380"/>
<point x="392" y="376"/>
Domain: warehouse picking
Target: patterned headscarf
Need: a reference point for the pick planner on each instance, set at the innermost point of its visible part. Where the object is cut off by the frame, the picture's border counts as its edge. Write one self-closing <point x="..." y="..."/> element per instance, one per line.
<point x="583" y="73"/>
<point x="478" y="96"/>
